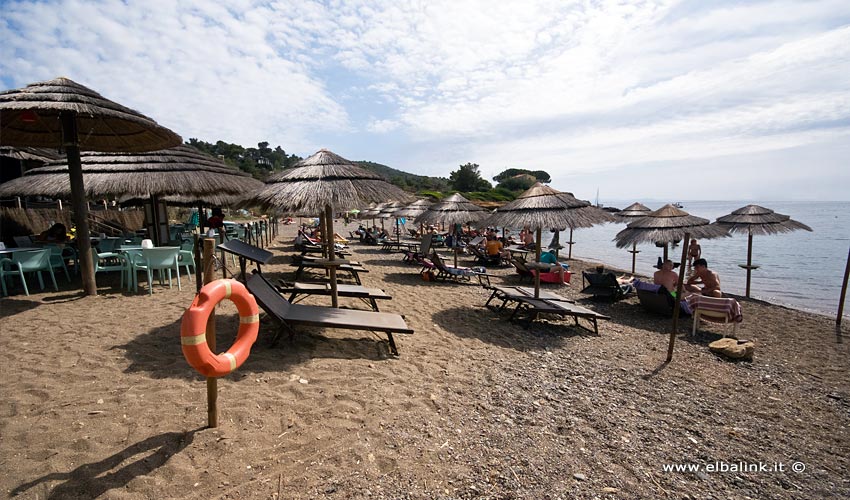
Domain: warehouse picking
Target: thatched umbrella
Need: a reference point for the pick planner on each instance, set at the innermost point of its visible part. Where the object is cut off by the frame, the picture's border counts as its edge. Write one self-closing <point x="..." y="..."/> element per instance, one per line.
<point x="542" y="207"/>
<point x="322" y="183"/>
<point x="415" y="209"/>
<point x="181" y="175"/>
<point x="452" y="210"/>
<point x="753" y="219"/>
<point x="49" y="114"/>
<point x="389" y="210"/>
<point x="665" y="225"/>
<point x="629" y="213"/>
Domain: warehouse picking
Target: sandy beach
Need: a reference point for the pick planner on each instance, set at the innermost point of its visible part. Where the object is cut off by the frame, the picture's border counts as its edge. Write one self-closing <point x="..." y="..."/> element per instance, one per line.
<point x="98" y="401"/>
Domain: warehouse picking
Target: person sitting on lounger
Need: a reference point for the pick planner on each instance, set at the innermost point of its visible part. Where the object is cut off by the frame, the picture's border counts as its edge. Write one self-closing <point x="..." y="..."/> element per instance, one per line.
<point x="666" y="277"/>
<point x="495" y="249"/>
<point x="709" y="279"/>
<point x="554" y="266"/>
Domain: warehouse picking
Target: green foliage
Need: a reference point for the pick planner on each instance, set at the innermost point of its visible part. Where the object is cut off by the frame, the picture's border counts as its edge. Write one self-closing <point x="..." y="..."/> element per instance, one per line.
<point x="520" y="179"/>
<point x="404" y="180"/>
<point x="258" y="162"/>
<point x="434" y="195"/>
<point x="491" y="195"/>
<point x="467" y="178"/>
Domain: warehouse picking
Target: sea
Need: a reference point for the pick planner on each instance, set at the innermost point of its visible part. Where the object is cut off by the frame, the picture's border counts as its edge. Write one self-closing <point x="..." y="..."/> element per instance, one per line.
<point x="801" y="270"/>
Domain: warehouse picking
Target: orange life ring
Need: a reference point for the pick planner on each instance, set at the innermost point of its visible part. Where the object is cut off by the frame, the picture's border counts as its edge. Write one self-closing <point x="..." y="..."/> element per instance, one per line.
<point x="193" y="328"/>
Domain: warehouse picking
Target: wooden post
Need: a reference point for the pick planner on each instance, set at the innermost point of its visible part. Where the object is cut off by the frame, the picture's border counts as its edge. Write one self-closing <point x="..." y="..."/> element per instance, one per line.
<point x="843" y="292"/>
<point x="78" y="200"/>
<point x="634" y="251"/>
<point x="676" y="303"/>
<point x="570" y="244"/>
<point x="58" y="204"/>
<point x="199" y="263"/>
<point x="212" y="382"/>
<point x="331" y="254"/>
<point x="18" y="200"/>
<point x="537" y="259"/>
<point x="749" y="259"/>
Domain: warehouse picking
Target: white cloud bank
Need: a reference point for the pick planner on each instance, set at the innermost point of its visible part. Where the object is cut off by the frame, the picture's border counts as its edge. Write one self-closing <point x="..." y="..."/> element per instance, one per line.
<point x="593" y="92"/>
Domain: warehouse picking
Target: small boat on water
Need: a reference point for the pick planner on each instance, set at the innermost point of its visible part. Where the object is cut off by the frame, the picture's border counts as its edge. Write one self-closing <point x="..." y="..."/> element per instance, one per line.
<point x="678" y="205"/>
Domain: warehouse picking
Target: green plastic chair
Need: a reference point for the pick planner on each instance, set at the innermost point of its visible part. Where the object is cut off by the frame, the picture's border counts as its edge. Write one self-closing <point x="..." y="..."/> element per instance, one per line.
<point x="158" y="259"/>
<point x="30" y="261"/>
<point x="57" y="259"/>
<point x="187" y="256"/>
<point x="111" y="261"/>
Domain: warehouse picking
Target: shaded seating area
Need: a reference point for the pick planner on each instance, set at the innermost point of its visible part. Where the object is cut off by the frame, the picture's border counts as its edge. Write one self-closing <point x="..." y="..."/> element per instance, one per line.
<point x="289" y="315"/>
<point x="163" y="260"/>
<point x="604" y="285"/>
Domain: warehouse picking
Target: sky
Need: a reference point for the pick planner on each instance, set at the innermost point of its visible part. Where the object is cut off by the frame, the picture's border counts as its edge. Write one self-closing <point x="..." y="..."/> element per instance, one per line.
<point x="668" y="100"/>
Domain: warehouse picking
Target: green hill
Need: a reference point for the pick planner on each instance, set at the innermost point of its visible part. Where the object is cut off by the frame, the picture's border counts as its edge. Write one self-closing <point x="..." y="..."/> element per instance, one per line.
<point x="405" y="180"/>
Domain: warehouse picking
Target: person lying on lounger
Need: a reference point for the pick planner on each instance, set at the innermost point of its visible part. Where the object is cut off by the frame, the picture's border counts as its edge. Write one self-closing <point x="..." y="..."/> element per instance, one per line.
<point x="554" y="266"/>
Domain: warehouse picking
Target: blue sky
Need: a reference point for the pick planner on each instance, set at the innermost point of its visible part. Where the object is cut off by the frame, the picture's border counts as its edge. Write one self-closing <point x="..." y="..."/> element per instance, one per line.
<point x="672" y="100"/>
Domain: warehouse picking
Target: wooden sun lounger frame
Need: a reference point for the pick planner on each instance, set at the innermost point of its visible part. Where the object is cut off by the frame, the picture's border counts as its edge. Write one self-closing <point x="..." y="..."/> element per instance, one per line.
<point x="289" y="315"/>
<point x="353" y="270"/>
<point x="551" y="304"/>
<point x="369" y="296"/>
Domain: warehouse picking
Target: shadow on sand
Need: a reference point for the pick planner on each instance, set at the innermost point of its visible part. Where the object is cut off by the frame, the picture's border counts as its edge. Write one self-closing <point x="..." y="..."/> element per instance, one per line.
<point x="94" y="479"/>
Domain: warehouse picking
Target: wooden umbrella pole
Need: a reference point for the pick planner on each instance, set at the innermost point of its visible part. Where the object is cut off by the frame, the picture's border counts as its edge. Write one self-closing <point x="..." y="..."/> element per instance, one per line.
<point x="537" y="259"/>
<point x="331" y="255"/>
<point x="634" y="256"/>
<point x="570" y="243"/>
<point x="78" y="200"/>
<point x="676" y="303"/>
<point x="212" y="382"/>
<point x="749" y="259"/>
<point x="843" y="292"/>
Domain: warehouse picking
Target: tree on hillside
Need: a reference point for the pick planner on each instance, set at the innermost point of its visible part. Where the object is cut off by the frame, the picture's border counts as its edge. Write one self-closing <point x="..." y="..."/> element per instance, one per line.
<point x="520" y="179"/>
<point x="467" y="178"/>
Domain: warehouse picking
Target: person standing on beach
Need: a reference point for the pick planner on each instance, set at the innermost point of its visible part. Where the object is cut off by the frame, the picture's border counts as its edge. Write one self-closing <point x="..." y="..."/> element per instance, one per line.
<point x="694" y="252"/>
<point x="709" y="279"/>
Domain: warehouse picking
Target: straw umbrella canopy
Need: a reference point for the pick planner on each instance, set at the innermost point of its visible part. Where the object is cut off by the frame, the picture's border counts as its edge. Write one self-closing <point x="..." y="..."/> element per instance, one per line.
<point x="321" y="183"/>
<point x="542" y="207"/>
<point x="629" y="213"/>
<point x="415" y="209"/>
<point x="49" y="114"/>
<point x="391" y="210"/>
<point x="665" y="225"/>
<point x="181" y="175"/>
<point x="452" y="210"/>
<point x="753" y="219"/>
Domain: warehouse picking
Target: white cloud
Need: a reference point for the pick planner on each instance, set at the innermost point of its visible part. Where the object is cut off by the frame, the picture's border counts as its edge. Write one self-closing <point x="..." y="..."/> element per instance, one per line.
<point x="578" y="86"/>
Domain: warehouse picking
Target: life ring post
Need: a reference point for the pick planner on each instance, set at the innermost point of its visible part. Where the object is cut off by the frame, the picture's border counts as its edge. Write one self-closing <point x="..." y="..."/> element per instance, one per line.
<point x="212" y="382"/>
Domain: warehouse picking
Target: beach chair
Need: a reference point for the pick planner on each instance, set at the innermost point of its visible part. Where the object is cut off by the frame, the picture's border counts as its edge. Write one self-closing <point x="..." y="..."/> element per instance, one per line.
<point x="447" y="271"/>
<point x="368" y="295"/>
<point x="508" y="294"/>
<point x="57" y="258"/>
<point x="604" y="285"/>
<point x="657" y="299"/>
<point x="424" y="249"/>
<point x="28" y="261"/>
<point x="715" y="310"/>
<point x="533" y="308"/>
<point x="289" y="315"/>
<point x="521" y="269"/>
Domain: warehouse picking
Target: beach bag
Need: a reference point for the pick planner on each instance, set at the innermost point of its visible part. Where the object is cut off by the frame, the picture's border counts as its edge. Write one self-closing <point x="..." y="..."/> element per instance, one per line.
<point x="427" y="276"/>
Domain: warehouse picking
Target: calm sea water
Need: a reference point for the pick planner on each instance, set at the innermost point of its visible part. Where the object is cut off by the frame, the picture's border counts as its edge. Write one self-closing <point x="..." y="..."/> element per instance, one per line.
<point x="802" y="270"/>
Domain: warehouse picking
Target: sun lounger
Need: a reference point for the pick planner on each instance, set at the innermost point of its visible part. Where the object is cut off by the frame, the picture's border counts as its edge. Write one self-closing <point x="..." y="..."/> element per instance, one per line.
<point x="604" y="285"/>
<point x="509" y="294"/>
<point x="657" y="299"/>
<point x="535" y="307"/>
<point x="353" y="270"/>
<point x="715" y="309"/>
<point x="445" y="271"/>
<point x="367" y="295"/>
<point x="290" y="315"/>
